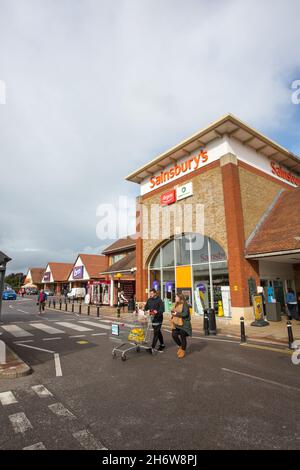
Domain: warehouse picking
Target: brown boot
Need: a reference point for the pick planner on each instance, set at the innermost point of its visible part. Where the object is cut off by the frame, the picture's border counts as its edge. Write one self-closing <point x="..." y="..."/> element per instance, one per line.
<point x="179" y="350"/>
<point x="181" y="354"/>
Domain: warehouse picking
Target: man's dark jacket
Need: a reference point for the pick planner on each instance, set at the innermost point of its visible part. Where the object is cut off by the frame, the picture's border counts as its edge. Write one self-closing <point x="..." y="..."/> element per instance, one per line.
<point x="155" y="303"/>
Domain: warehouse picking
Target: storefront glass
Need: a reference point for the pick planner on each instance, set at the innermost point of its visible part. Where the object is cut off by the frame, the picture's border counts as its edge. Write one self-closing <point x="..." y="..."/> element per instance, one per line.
<point x="195" y="265"/>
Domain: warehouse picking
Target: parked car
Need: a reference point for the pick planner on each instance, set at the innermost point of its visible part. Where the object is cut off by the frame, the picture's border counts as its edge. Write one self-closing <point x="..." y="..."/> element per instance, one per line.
<point x="9" y="294"/>
<point x="76" y="293"/>
<point x="31" y="291"/>
<point x="49" y="292"/>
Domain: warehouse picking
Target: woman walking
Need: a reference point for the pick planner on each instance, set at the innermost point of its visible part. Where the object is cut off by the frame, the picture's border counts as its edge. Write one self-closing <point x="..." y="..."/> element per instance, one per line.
<point x="181" y="324"/>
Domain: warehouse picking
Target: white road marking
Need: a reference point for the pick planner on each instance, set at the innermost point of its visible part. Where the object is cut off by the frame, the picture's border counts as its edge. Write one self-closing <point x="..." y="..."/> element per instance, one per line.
<point x="34" y="347"/>
<point x="58" y="370"/>
<point x="88" y="441"/>
<point x="23" y="311"/>
<point x="99" y="334"/>
<point x="73" y="327"/>
<point x="37" y="446"/>
<point x="16" y="331"/>
<point x="92" y="323"/>
<point x="41" y="391"/>
<point x="51" y="339"/>
<point x="271" y="382"/>
<point x="7" y="398"/>
<point x="24" y="341"/>
<point x="77" y="336"/>
<point x="60" y="410"/>
<point x="47" y="328"/>
<point x="20" y="422"/>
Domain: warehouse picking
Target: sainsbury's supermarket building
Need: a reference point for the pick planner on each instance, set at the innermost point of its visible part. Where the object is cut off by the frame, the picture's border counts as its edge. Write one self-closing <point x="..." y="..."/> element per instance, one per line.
<point x="249" y="187"/>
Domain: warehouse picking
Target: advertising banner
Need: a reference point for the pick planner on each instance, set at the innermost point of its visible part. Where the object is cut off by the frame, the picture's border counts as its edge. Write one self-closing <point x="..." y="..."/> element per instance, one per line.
<point x="78" y="272"/>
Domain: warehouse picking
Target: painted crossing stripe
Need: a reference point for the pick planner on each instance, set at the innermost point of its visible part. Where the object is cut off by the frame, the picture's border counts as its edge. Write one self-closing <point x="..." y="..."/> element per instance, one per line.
<point x="58" y="370"/>
<point x="60" y="410"/>
<point x="73" y="326"/>
<point x="88" y="441"/>
<point x="41" y="391"/>
<point x="92" y="323"/>
<point x="7" y="398"/>
<point x="20" y="422"/>
<point x="37" y="446"/>
<point x="47" y="328"/>
<point x="16" y="331"/>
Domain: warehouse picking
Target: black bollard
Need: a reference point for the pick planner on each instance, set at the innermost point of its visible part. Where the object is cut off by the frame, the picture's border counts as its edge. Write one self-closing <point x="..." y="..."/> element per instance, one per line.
<point x="49" y="305"/>
<point x="206" y="324"/>
<point x="290" y="334"/>
<point x="54" y="303"/>
<point x="88" y="309"/>
<point x="59" y="304"/>
<point x="79" y="309"/>
<point x="243" y="335"/>
<point x="72" y="307"/>
<point x="66" y="307"/>
<point x="98" y="311"/>
<point x="212" y="322"/>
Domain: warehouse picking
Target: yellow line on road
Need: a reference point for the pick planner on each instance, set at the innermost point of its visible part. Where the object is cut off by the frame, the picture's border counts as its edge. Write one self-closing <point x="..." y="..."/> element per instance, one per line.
<point x="267" y="348"/>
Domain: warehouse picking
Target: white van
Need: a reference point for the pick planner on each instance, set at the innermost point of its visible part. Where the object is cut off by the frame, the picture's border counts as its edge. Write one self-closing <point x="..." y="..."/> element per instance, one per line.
<point x="76" y="293"/>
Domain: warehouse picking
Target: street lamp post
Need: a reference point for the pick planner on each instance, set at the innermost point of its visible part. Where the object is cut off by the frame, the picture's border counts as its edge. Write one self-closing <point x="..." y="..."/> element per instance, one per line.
<point x="4" y="259"/>
<point x="118" y="276"/>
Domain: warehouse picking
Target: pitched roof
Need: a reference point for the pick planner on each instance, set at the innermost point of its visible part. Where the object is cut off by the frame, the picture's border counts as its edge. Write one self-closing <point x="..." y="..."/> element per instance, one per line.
<point x="94" y="264"/>
<point x="280" y="229"/>
<point x="36" y="274"/>
<point x="121" y="245"/>
<point x="60" y="271"/>
<point x="4" y="257"/>
<point x="124" y="264"/>
<point x="226" y="125"/>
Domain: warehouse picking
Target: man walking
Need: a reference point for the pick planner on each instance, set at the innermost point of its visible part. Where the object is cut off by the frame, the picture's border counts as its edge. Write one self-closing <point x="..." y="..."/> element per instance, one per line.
<point x="155" y="307"/>
<point x="41" y="300"/>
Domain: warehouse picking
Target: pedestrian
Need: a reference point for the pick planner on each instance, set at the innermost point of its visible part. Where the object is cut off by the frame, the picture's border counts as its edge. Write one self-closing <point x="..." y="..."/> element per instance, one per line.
<point x="291" y="303"/>
<point x="122" y="300"/>
<point x="181" y="324"/>
<point x="41" y="300"/>
<point x="23" y="292"/>
<point x="155" y="307"/>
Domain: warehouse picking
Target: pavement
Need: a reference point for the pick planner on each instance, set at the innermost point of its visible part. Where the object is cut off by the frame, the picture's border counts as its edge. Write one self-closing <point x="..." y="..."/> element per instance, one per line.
<point x="275" y="332"/>
<point x="223" y="395"/>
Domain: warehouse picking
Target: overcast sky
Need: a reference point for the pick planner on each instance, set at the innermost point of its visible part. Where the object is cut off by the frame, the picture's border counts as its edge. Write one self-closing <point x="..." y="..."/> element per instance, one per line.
<point x="96" y="88"/>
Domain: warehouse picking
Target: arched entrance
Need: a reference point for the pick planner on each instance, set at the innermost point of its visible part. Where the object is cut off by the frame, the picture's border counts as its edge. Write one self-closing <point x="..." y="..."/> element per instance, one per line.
<point x="195" y="265"/>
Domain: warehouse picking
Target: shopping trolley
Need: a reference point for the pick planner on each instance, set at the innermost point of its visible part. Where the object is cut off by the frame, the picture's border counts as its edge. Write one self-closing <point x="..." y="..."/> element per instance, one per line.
<point x="135" y="334"/>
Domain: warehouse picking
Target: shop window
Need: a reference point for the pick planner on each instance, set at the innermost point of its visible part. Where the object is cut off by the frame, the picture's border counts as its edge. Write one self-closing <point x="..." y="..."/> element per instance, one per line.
<point x="156" y="260"/>
<point x="167" y="252"/>
<point x="183" y="251"/>
<point x="199" y="247"/>
<point x="216" y="252"/>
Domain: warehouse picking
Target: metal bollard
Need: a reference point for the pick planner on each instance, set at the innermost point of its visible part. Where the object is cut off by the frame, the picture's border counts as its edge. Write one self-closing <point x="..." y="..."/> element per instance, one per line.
<point x="54" y="303"/>
<point x="79" y="309"/>
<point x="98" y="311"/>
<point x="212" y="325"/>
<point x="66" y="307"/>
<point x="243" y="334"/>
<point x="60" y="304"/>
<point x="290" y="334"/>
<point x="206" y="324"/>
<point x="49" y="304"/>
<point x="88" y="309"/>
<point x="72" y="307"/>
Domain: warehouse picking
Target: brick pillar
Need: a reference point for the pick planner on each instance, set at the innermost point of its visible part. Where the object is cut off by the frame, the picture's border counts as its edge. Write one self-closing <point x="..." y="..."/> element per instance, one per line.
<point x="240" y="270"/>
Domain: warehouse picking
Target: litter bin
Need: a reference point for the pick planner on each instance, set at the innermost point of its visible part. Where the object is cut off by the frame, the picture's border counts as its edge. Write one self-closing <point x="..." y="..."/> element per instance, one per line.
<point x="273" y="311"/>
<point x="130" y="306"/>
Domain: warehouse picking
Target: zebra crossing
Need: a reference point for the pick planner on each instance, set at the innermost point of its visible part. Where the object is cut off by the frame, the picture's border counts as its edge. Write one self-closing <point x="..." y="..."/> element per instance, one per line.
<point x="30" y="431"/>
<point x="28" y="330"/>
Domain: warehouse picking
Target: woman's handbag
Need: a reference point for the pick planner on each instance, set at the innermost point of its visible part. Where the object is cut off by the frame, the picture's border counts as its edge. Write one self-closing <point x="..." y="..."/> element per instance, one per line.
<point x="177" y="321"/>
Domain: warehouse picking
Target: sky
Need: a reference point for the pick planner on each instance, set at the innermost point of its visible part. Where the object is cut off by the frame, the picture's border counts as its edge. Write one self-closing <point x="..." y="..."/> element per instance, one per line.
<point x="96" y="88"/>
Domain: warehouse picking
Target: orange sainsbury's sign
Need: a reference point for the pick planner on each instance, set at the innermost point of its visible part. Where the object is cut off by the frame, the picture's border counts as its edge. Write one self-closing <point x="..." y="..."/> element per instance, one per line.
<point x="284" y="174"/>
<point x="190" y="164"/>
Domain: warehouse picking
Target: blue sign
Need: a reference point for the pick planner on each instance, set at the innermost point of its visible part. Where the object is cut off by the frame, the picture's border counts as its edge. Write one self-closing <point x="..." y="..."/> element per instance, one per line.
<point x="169" y="286"/>
<point x="270" y="294"/>
<point x="115" y="330"/>
<point x="201" y="287"/>
<point x="155" y="285"/>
